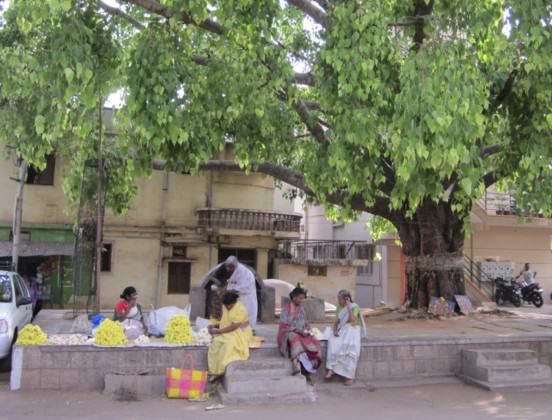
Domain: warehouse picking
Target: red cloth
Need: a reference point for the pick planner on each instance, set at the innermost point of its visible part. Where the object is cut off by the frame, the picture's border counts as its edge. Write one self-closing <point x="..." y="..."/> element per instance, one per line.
<point x="121" y="307"/>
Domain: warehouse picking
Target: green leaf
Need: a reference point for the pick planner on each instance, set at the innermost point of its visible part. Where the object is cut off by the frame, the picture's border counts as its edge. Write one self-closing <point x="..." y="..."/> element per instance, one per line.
<point x="69" y="74"/>
<point x="40" y="121"/>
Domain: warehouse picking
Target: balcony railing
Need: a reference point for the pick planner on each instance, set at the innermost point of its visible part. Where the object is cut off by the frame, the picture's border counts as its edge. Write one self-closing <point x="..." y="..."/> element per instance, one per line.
<point x="314" y="250"/>
<point x="504" y="203"/>
<point x="249" y="220"/>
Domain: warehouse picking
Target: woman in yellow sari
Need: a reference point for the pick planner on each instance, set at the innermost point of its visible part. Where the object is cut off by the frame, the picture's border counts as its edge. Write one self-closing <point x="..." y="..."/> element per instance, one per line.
<point x="231" y="337"/>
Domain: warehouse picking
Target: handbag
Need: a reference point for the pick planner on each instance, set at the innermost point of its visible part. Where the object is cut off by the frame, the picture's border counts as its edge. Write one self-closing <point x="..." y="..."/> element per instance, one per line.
<point x="185" y="383"/>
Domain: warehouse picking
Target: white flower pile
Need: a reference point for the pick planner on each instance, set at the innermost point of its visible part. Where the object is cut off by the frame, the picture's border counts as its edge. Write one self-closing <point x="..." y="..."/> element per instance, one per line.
<point x="202" y="337"/>
<point x="68" y="339"/>
<point x="142" y="340"/>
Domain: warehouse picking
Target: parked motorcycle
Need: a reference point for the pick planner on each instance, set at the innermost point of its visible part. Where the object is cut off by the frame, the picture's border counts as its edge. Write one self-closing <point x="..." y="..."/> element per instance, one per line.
<point x="532" y="293"/>
<point x="506" y="291"/>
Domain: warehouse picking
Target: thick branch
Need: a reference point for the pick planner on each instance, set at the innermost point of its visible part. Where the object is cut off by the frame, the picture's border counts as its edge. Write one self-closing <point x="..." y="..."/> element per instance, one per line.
<point x="324" y="4"/>
<point x="491" y="150"/>
<point x="314" y="127"/>
<point x="161" y="10"/>
<point x="504" y="93"/>
<point x="317" y="14"/>
<point x="490" y="178"/>
<point x="422" y="9"/>
<point x="295" y="179"/>
<point x="118" y="12"/>
<point x="305" y="79"/>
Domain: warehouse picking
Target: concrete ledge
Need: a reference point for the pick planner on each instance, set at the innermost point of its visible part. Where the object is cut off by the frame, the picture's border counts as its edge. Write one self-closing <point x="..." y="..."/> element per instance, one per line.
<point x="134" y="386"/>
<point x="83" y="368"/>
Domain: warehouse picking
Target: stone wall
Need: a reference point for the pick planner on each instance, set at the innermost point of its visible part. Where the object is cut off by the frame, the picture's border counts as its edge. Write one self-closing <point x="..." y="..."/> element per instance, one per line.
<point x="83" y="368"/>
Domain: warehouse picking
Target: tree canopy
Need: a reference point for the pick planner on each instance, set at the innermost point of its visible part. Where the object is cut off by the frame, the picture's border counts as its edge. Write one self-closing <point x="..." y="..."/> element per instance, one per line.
<point x="383" y="106"/>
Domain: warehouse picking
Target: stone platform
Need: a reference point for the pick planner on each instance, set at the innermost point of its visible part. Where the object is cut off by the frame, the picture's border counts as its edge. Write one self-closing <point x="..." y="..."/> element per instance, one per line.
<point x="84" y="368"/>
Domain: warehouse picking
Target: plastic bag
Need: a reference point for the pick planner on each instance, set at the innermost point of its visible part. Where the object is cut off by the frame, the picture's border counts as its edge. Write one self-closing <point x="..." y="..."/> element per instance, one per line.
<point x="201" y="323"/>
<point x="133" y="329"/>
<point x="158" y="319"/>
<point x="81" y="325"/>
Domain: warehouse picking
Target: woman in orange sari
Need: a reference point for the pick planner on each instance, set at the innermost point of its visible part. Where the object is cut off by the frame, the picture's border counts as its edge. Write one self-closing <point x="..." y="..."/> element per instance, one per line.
<point x="294" y="339"/>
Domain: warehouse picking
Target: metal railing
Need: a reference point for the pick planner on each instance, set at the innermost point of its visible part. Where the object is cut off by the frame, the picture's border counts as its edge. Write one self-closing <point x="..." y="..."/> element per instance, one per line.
<point x="249" y="220"/>
<point x="317" y="250"/>
<point x="501" y="203"/>
<point x="478" y="278"/>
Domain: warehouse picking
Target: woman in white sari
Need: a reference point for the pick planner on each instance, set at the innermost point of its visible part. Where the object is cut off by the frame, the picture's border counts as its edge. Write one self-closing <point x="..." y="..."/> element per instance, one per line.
<point x="344" y="346"/>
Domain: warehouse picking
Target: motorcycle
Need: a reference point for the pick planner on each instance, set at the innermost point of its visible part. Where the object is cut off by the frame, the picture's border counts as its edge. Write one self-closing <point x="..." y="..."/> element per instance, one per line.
<point x="532" y="293"/>
<point x="506" y="291"/>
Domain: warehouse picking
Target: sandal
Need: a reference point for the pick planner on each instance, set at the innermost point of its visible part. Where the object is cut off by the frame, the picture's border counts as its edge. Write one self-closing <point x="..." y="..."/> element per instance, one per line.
<point x="329" y="375"/>
<point x="349" y="382"/>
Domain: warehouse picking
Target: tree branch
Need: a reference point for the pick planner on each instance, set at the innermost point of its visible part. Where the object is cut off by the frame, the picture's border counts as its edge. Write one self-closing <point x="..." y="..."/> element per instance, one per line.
<point x="314" y="12"/>
<point x="295" y="179"/>
<point x="120" y="13"/>
<point x="504" y="92"/>
<point x="490" y="178"/>
<point x="490" y="150"/>
<point x="305" y="79"/>
<point x="323" y="4"/>
<point x="314" y="128"/>
<point x="422" y="9"/>
<point x="161" y="10"/>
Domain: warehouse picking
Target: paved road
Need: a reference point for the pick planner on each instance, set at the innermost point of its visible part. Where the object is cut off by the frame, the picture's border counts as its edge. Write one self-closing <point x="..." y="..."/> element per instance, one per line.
<point x="442" y="402"/>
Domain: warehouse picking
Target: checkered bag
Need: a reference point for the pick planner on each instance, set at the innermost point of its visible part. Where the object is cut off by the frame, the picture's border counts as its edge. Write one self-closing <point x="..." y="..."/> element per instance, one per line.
<point x="185" y="383"/>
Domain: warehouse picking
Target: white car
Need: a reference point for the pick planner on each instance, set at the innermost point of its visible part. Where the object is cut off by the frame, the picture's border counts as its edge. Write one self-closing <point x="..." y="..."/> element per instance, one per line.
<point x="15" y="312"/>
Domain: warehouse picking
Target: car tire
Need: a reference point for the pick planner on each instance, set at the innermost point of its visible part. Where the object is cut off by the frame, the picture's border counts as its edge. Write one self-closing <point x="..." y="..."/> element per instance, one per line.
<point x="5" y="363"/>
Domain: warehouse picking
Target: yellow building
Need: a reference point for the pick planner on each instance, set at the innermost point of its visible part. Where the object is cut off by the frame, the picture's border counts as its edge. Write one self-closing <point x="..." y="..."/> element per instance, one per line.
<point x="177" y="228"/>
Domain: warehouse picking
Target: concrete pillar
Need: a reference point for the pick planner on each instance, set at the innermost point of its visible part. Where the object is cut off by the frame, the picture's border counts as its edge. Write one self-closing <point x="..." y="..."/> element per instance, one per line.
<point x="262" y="263"/>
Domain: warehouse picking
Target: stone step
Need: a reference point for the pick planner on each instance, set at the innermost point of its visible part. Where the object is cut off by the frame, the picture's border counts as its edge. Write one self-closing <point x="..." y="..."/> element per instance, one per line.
<point x="263" y="385"/>
<point x="518" y="386"/>
<point x="517" y="373"/>
<point x="261" y="398"/>
<point x="495" y="357"/>
<point x="276" y="365"/>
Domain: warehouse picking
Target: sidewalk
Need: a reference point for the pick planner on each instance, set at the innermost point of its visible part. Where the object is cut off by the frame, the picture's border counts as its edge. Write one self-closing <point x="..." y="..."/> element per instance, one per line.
<point x="509" y="321"/>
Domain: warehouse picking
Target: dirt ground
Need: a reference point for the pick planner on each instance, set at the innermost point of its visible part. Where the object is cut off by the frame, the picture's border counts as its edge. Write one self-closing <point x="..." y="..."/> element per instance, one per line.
<point x="450" y="402"/>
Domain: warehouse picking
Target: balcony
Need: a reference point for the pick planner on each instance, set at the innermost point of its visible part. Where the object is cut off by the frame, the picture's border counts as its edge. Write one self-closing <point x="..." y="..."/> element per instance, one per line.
<point x="503" y="204"/>
<point x="224" y="221"/>
<point x="316" y="252"/>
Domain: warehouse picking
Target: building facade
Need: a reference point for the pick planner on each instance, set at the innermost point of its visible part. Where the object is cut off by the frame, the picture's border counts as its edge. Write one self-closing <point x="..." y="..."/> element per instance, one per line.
<point x="177" y="228"/>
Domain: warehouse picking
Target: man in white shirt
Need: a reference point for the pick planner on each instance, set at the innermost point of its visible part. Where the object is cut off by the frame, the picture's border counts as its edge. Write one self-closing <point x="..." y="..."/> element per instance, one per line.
<point x="528" y="277"/>
<point x="242" y="280"/>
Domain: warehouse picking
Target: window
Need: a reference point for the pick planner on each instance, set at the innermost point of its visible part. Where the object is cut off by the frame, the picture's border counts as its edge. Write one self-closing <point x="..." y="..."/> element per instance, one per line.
<point x="317" y="270"/>
<point x="106" y="257"/>
<point x="366" y="271"/>
<point x="44" y="177"/>
<point x="179" y="278"/>
<point x="244" y="255"/>
<point x="19" y="293"/>
<point x="179" y="251"/>
<point x="24" y="235"/>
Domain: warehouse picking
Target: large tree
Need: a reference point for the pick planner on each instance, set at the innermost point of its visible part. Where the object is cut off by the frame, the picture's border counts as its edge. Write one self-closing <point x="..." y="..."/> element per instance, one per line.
<point x="404" y="109"/>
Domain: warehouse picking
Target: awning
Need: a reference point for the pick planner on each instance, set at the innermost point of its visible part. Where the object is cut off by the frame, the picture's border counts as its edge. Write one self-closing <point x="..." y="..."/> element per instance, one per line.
<point x="36" y="249"/>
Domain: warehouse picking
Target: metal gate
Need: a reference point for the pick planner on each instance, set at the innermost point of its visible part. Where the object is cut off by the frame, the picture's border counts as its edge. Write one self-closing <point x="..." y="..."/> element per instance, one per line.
<point x="371" y="287"/>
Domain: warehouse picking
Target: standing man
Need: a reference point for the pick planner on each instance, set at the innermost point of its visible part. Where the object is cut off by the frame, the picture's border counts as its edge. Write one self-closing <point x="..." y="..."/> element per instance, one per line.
<point x="528" y="277"/>
<point x="242" y="280"/>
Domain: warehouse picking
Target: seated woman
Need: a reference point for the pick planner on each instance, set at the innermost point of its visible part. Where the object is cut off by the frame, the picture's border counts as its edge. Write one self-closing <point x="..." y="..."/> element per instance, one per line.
<point x="294" y="338"/>
<point x="344" y="346"/>
<point x="129" y="312"/>
<point x="231" y="337"/>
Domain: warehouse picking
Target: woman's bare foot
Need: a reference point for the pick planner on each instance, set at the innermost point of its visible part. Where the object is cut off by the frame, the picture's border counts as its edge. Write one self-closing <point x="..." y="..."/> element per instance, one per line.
<point x="349" y="382"/>
<point x="296" y="367"/>
<point x="329" y="375"/>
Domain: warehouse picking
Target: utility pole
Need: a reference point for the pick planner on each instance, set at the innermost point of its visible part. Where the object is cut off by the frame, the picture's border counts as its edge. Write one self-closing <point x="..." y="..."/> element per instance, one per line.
<point x="18" y="212"/>
<point x="99" y="214"/>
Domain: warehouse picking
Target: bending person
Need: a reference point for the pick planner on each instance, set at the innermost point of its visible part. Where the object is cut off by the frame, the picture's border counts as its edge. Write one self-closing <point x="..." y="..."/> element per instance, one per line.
<point x="231" y="337"/>
<point x="242" y="280"/>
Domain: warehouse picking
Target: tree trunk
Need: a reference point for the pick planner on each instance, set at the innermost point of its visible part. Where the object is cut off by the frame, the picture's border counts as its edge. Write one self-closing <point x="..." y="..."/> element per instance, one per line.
<point x="433" y="242"/>
<point x="18" y="213"/>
